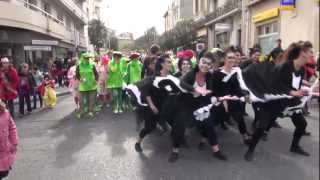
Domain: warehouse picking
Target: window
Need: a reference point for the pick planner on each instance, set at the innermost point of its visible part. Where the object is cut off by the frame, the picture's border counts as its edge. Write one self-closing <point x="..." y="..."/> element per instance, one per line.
<point x="47" y="7"/>
<point x="60" y="16"/>
<point x="68" y="24"/>
<point x="197" y="6"/>
<point x="275" y="27"/>
<point x="267" y="35"/>
<point x="31" y="4"/>
<point x="268" y="28"/>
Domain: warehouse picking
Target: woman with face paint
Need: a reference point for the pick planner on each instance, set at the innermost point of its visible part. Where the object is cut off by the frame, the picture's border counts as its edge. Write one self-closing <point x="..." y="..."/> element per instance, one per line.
<point x="198" y="83"/>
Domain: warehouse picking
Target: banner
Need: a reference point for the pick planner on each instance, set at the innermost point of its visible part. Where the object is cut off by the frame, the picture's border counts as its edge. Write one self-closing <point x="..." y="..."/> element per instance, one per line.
<point x="288" y="5"/>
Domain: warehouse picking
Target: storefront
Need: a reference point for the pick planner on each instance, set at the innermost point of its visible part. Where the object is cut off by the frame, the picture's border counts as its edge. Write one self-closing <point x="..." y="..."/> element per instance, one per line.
<point x="267" y="29"/>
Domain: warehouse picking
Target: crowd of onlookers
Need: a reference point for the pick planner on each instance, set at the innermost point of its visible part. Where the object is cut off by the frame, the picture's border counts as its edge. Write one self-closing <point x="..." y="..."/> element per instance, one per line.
<point x="27" y="84"/>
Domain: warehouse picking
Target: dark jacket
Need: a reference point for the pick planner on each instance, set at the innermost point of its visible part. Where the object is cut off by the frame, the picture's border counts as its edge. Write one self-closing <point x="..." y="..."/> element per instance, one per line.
<point x="230" y="87"/>
<point x="187" y="82"/>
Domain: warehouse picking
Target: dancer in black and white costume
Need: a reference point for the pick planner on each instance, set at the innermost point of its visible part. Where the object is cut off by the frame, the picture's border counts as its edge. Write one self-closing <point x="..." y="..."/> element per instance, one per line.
<point x="198" y="83"/>
<point x="277" y="88"/>
<point x="154" y="98"/>
<point x="225" y="82"/>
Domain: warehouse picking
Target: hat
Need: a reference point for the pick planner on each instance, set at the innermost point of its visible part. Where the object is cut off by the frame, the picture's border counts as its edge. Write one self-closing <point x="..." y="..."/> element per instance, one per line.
<point x="4" y="60"/>
<point x="180" y="54"/>
<point x="134" y="55"/>
<point x="87" y="55"/>
<point x="117" y="53"/>
<point x="188" y="54"/>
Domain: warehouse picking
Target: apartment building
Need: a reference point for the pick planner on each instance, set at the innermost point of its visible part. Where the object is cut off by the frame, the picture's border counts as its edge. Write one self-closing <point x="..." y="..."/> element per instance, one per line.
<point x="224" y="23"/>
<point x="39" y="30"/>
<point x="179" y="10"/>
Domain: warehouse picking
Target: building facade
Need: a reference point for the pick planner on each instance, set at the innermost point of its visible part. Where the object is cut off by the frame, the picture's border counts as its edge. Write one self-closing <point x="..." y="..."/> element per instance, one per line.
<point x="39" y="30"/>
<point x="179" y="10"/>
<point x="93" y="11"/>
<point x="269" y="22"/>
<point x="125" y="41"/>
<point x="224" y="23"/>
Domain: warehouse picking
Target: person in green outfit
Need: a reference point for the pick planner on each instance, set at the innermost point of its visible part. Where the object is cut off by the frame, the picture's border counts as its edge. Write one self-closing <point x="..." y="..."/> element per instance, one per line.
<point x="134" y="69"/>
<point x="87" y="75"/>
<point x="132" y="75"/>
<point x="115" y="81"/>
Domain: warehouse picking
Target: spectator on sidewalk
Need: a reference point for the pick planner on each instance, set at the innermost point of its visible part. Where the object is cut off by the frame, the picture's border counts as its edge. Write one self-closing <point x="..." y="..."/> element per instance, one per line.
<point x="73" y="82"/>
<point x="10" y="79"/>
<point x="38" y="77"/>
<point x="26" y="87"/>
<point x="49" y="93"/>
<point x="8" y="141"/>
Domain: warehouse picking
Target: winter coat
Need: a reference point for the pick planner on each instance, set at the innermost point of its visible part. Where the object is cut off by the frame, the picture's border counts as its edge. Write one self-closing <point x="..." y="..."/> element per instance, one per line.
<point x="8" y="141"/>
<point x="10" y="79"/>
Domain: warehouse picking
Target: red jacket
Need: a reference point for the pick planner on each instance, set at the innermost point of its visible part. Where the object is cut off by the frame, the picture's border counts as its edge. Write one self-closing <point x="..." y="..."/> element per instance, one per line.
<point x="10" y="80"/>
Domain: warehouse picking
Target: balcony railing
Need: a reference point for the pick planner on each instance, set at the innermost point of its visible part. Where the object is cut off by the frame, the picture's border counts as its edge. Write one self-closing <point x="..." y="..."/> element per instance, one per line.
<point x="42" y="11"/>
<point x="75" y="8"/>
<point x="227" y="7"/>
<point x="54" y="24"/>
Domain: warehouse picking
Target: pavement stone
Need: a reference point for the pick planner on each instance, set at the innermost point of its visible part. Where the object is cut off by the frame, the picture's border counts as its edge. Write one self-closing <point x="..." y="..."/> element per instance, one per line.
<point x="55" y="145"/>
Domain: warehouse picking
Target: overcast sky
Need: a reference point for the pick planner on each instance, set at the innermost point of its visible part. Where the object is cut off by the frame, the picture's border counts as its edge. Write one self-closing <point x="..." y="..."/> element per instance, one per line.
<point x="134" y="16"/>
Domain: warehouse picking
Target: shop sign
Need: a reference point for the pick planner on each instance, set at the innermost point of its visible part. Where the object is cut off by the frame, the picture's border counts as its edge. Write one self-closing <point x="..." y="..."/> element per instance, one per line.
<point x="288" y="5"/>
<point x="202" y="32"/>
<point x="265" y="15"/>
<point x="37" y="48"/>
<point x="222" y="27"/>
<point x="45" y="42"/>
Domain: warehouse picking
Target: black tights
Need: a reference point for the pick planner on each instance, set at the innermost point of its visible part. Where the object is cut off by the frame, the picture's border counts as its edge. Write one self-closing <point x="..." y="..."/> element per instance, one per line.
<point x="267" y="115"/>
<point x="207" y="131"/>
<point x="235" y="112"/>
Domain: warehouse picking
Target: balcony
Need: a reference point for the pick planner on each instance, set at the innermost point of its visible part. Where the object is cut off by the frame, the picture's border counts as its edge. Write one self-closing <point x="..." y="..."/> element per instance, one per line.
<point x="33" y="18"/>
<point x="75" y="9"/>
<point x="229" y="6"/>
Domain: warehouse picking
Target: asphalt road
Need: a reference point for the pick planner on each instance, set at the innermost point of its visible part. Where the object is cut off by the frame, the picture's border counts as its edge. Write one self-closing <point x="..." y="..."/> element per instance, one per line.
<point x="55" y="145"/>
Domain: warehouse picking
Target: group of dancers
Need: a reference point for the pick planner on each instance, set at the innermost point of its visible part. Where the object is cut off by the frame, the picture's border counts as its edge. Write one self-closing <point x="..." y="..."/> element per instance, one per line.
<point x="217" y="89"/>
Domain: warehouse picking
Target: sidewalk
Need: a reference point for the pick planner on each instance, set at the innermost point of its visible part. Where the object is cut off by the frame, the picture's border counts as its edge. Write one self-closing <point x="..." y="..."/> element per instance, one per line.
<point x="60" y="92"/>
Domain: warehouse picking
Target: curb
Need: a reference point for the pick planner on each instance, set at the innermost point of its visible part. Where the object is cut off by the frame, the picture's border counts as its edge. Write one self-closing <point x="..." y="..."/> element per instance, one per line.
<point x="58" y="95"/>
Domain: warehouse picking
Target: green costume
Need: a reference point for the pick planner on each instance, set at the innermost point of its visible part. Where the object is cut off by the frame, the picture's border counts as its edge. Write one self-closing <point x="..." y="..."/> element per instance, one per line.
<point x="87" y="74"/>
<point x="88" y="80"/>
<point x="133" y="75"/>
<point x="134" y="69"/>
<point x="115" y="81"/>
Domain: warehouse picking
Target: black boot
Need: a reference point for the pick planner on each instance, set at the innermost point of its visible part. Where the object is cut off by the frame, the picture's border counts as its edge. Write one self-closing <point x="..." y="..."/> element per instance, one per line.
<point x="202" y="146"/>
<point x="299" y="150"/>
<point x="219" y="155"/>
<point x="224" y="126"/>
<point x="264" y="136"/>
<point x="174" y="156"/>
<point x="137" y="147"/>
<point x="249" y="156"/>
<point x="276" y="125"/>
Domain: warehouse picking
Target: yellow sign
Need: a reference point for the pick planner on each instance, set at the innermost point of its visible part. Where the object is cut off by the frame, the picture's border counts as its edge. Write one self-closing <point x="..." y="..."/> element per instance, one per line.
<point x="287" y="8"/>
<point x="268" y="14"/>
